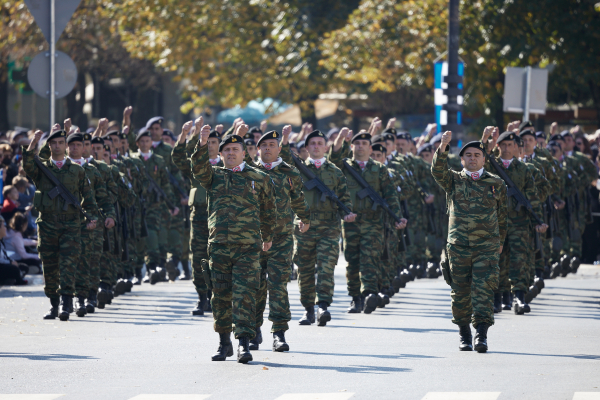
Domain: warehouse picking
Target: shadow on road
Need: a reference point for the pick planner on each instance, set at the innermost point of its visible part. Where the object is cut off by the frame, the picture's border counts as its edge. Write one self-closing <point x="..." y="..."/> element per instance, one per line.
<point x="354" y="369"/>
<point x="391" y="356"/>
<point x="578" y="356"/>
<point x="46" y="357"/>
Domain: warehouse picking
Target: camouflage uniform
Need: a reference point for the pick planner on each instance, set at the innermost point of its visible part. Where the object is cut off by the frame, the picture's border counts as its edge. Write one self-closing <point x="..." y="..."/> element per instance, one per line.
<point x="275" y="263"/>
<point x="59" y="230"/>
<point x="241" y="213"/>
<point x="363" y="238"/>
<point x="478" y="225"/>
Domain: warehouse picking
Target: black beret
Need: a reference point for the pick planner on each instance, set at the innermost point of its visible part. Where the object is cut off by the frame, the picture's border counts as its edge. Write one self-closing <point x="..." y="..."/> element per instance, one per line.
<point x="87" y="137"/>
<point x="315" y="134"/>
<point x="97" y="140"/>
<point x="57" y="134"/>
<point x="540" y="135"/>
<point x="508" y="135"/>
<point x="554" y="143"/>
<point x="526" y="132"/>
<point x="123" y="136"/>
<point x="249" y="142"/>
<point x="362" y="136"/>
<point x="141" y="134"/>
<point x="255" y="129"/>
<point x="519" y="141"/>
<point x="106" y="147"/>
<point x="378" y="139"/>
<point x="425" y="147"/>
<point x="565" y="133"/>
<point x="475" y="144"/>
<point x="154" y="120"/>
<point x="525" y="125"/>
<point x="169" y="133"/>
<point x="113" y="132"/>
<point x="404" y="135"/>
<point x="391" y="131"/>
<point x="557" y="137"/>
<point x="300" y="144"/>
<point x="378" y="147"/>
<point x="231" y="139"/>
<point x="248" y="135"/>
<point x="76" y="137"/>
<point x="214" y="134"/>
<point x="269" y="135"/>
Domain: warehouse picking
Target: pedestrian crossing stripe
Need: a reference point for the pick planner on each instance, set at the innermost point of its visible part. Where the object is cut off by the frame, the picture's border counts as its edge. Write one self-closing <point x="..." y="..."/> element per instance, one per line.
<point x="30" y="396"/>
<point x="586" y="396"/>
<point x="315" y="396"/>
<point x="170" y="397"/>
<point x="461" y="396"/>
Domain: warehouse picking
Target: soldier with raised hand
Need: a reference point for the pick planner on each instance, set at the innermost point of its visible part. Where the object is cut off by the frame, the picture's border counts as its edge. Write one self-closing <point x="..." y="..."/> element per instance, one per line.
<point x="514" y="258"/>
<point x="242" y="215"/>
<point x="275" y="263"/>
<point x="59" y="227"/>
<point x="363" y="240"/>
<point x="319" y="246"/>
<point x="478" y="225"/>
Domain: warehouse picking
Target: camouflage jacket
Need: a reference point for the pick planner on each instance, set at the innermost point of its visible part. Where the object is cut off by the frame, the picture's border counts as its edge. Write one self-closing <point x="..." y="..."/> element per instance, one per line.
<point x="105" y="171"/>
<point x="71" y="175"/>
<point x="477" y="209"/>
<point x="155" y="167"/>
<point x="241" y="205"/>
<point x="103" y="200"/>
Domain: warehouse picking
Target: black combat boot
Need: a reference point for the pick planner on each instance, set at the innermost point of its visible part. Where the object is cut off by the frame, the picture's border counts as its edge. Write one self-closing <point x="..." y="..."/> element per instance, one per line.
<point x="279" y="343"/>
<point x="355" y="305"/>
<point x="309" y="316"/>
<point x="137" y="279"/>
<point x="53" y="313"/>
<point x="556" y="270"/>
<point x="396" y="283"/>
<point x="256" y="340"/>
<point x="162" y="270"/>
<point x="243" y="355"/>
<point x="371" y="303"/>
<point x="384" y="300"/>
<point x="66" y="306"/>
<point x="172" y="267"/>
<point x="225" y="347"/>
<point x="574" y="265"/>
<point x="207" y="306"/>
<point x="103" y="294"/>
<point x="120" y="287"/>
<point x="519" y="302"/>
<point x="539" y="280"/>
<point x="153" y="274"/>
<point x="481" y="338"/>
<point x="199" y="310"/>
<point x="185" y="267"/>
<point x="323" y="316"/>
<point x="466" y="339"/>
<point x="92" y="302"/>
<point x="128" y="282"/>
<point x="531" y="294"/>
<point x="497" y="302"/>
<point x="80" y="306"/>
<point x="432" y="270"/>
<point x="506" y="302"/>
<point x="565" y="265"/>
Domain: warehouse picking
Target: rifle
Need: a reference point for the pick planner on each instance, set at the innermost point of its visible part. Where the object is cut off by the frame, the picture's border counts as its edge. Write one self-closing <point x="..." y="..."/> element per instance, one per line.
<point x="125" y="236"/>
<point x="315" y="182"/>
<point x="368" y="191"/>
<point x="159" y="192"/>
<point x="429" y="210"/>
<point x="144" y="227"/>
<point x="404" y="206"/>
<point x="60" y="190"/>
<point x="183" y="193"/>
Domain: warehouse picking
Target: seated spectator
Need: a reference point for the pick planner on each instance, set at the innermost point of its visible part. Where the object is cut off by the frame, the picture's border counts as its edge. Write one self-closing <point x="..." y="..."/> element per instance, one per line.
<point x="15" y="242"/>
<point x="11" y="202"/>
<point x="10" y="271"/>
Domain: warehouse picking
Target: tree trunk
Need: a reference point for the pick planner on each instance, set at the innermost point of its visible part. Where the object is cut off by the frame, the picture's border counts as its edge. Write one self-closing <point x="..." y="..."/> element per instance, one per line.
<point x="4" y="126"/>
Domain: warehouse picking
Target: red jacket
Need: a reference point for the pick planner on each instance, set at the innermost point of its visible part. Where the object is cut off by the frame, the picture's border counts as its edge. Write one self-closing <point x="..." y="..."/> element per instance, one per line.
<point x="8" y="206"/>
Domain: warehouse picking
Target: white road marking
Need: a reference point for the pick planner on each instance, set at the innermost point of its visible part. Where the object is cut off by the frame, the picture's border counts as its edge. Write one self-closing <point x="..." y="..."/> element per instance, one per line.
<point x="461" y="396"/>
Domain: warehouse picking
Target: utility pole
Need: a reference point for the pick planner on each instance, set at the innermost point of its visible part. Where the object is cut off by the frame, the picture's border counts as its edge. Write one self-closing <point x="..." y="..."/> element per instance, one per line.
<point x="453" y="79"/>
<point x="52" y="62"/>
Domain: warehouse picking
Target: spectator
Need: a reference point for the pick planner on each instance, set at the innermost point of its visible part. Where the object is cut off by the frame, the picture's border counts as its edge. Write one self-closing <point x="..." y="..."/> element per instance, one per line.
<point x="584" y="145"/>
<point x="26" y="190"/>
<point x="10" y="168"/>
<point x="11" y="202"/>
<point x="16" y="243"/>
<point x="9" y="269"/>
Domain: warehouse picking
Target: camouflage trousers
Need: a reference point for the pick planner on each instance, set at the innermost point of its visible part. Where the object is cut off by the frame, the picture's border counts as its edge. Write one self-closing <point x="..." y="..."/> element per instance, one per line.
<point x="416" y="251"/>
<point x="156" y="229"/>
<point x="389" y="257"/>
<point x="59" y="247"/>
<point x="235" y="276"/>
<point x="88" y="262"/>
<point x="199" y="248"/>
<point x="187" y="232"/>
<point x="139" y="242"/>
<point x="108" y="260"/>
<point x="175" y="243"/>
<point x="318" y="246"/>
<point x="514" y="260"/>
<point x="94" y="258"/>
<point x="165" y="231"/>
<point x="572" y="242"/>
<point x="275" y="267"/>
<point x="474" y="271"/>
<point x="363" y="247"/>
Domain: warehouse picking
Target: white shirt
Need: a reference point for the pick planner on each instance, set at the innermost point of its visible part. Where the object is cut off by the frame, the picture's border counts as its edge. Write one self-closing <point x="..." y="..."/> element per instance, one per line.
<point x="80" y="161"/>
<point x="214" y="161"/>
<point x="322" y="160"/>
<point x="154" y="144"/>
<point x="145" y="155"/>
<point x="241" y="166"/>
<point x="273" y="164"/>
<point x="506" y="161"/>
<point x="62" y="162"/>
<point x="480" y="172"/>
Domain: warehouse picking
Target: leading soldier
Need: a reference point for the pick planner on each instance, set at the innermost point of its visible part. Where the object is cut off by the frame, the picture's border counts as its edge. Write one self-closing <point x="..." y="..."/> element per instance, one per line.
<point x="478" y="225"/>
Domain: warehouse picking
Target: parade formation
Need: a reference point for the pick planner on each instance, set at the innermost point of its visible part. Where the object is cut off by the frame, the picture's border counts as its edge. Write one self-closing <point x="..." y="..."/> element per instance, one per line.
<point x="243" y="212"/>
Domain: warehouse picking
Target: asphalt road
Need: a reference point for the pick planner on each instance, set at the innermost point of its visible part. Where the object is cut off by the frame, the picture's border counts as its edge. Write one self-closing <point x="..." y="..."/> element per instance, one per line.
<point x="147" y="346"/>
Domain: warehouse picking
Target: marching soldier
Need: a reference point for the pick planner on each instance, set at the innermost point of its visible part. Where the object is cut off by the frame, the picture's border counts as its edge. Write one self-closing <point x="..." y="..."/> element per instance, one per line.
<point x="59" y="227"/>
<point x="241" y="217"/>
<point x="478" y="225"/>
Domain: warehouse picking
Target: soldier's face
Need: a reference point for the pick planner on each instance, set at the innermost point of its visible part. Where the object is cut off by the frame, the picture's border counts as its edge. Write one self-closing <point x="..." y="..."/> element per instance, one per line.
<point x="76" y="150"/>
<point x="97" y="149"/>
<point x="87" y="148"/>
<point x="257" y="136"/>
<point x="556" y="151"/>
<point x="144" y="143"/>
<point x="390" y="146"/>
<point x="316" y="148"/>
<point x="427" y="156"/>
<point x="108" y="142"/>
<point x="156" y="132"/>
<point x="233" y="154"/>
<point x="529" y="143"/>
<point x="378" y="156"/>
<point x="269" y="150"/>
<point x="303" y="153"/>
<point x="361" y="149"/>
<point x="106" y="156"/>
<point x="402" y="146"/>
<point x="472" y="159"/>
<point x="252" y="151"/>
<point x="508" y="149"/>
<point x="569" y="143"/>
<point x="124" y="144"/>
<point x="213" y="147"/>
<point x="116" y="142"/>
<point x="167" y="139"/>
<point x="58" y="147"/>
<point x="579" y="143"/>
<point x="541" y="142"/>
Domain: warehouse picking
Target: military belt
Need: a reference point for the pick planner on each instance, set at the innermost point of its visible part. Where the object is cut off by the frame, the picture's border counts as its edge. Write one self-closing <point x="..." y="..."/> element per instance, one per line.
<point x="60" y="217"/>
<point x="329" y="216"/>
